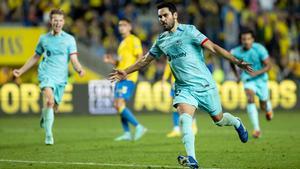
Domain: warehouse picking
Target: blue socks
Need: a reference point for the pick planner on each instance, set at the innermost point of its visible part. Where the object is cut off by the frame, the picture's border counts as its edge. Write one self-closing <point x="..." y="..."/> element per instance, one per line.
<point x="253" y="115"/>
<point x="127" y="116"/>
<point x="125" y="124"/>
<point x="175" y="119"/>
<point x="49" y="119"/>
<point x="228" y="120"/>
<point x="188" y="137"/>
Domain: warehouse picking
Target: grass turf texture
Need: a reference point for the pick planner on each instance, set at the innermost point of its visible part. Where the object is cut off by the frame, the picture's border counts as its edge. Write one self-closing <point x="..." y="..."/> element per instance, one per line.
<point x="84" y="139"/>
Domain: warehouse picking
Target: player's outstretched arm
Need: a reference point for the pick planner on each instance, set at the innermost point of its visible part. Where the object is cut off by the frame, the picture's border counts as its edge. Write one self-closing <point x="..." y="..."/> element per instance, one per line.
<point x="118" y="75"/>
<point x="217" y="50"/>
<point x="30" y="62"/>
<point x="76" y="65"/>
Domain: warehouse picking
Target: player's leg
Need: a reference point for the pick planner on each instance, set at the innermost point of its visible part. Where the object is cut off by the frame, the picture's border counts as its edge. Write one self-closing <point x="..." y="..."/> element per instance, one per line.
<point x="266" y="106"/>
<point x="175" y="119"/>
<point x="227" y="119"/>
<point x="264" y="100"/>
<point x="48" y="114"/>
<point x="252" y="112"/>
<point x="210" y="102"/>
<point x="186" y="112"/>
<point x="120" y="106"/>
<point x="186" y="105"/>
<point x="124" y="92"/>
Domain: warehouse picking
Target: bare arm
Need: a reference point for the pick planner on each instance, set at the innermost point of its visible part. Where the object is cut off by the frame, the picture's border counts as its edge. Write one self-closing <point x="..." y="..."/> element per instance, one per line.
<point x="30" y="62"/>
<point x="108" y="58"/>
<point x="76" y="64"/>
<point x="118" y="75"/>
<point x="217" y="50"/>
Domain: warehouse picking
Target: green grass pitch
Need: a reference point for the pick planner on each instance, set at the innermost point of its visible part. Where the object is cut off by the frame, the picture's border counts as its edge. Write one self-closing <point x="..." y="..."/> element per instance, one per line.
<point x="87" y="142"/>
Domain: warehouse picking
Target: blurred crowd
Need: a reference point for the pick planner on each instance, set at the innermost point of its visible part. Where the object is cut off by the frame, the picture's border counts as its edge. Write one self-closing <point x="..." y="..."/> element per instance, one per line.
<point x="94" y="24"/>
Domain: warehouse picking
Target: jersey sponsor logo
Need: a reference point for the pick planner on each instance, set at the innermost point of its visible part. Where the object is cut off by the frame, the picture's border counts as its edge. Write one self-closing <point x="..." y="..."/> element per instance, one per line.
<point x="174" y="57"/>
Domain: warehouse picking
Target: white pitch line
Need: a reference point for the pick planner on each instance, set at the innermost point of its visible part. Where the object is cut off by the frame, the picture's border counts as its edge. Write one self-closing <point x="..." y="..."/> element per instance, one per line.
<point x="93" y="164"/>
<point x="89" y="163"/>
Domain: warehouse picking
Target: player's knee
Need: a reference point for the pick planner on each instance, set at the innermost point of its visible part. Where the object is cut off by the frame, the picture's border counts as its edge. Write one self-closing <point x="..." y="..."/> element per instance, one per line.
<point x="50" y="103"/>
<point x="250" y="99"/>
<point x="119" y="105"/>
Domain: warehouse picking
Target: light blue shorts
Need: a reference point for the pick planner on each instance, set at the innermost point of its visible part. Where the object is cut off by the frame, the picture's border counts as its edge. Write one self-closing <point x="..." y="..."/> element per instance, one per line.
<point x="259" y="87"/>
<point x="58" y="89"/>
<point x="208" y="101"/>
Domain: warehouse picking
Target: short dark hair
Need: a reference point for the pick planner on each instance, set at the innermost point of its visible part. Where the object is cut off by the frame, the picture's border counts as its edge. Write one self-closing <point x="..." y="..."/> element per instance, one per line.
<point x="168" y="5"/>
<point x="126" y="20"/>
<point x="56" y="11"/>
<point x="246" y="31"/>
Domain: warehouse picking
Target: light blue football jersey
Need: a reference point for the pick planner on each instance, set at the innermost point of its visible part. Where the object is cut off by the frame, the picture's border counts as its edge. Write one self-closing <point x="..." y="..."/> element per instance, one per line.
<point x="255" y="56"/>
<point x="184" y="51"/>
<point x="56" y="51"/>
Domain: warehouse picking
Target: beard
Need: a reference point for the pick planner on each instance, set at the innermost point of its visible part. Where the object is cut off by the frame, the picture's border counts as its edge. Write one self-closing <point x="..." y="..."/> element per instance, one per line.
<point x="168" y="27"/>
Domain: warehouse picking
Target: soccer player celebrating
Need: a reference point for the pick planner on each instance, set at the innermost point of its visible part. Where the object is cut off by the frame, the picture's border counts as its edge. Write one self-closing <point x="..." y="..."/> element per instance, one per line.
<point x="175" y="116"/>
<point x="255" y="83"/>
<point x="57" y="48"/>
<point x="130" y="49"/>
<point x="194" y="86"/>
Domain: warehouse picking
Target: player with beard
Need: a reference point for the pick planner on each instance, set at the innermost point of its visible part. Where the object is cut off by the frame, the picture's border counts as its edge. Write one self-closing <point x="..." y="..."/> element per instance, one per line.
<point x="183" y="45"/>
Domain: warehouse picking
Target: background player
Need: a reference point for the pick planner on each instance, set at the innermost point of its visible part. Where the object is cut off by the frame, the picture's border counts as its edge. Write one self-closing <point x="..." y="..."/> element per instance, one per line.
<point x="57" y="48"/>
<point x="130" y="49"/>
<point x="175" y="115"/>
<point x="255" y="83"/>
<point x="194" y="85"/>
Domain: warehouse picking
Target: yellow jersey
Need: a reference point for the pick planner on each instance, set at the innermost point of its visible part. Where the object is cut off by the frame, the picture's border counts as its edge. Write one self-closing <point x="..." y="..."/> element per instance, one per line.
<point x="128" y="52"/>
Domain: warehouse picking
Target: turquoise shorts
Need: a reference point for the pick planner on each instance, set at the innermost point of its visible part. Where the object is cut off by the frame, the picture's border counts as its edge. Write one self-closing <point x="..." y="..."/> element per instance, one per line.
<point x="58" y="89"/>
<point x="259" y="87"/>
<point x="208" y="101"/>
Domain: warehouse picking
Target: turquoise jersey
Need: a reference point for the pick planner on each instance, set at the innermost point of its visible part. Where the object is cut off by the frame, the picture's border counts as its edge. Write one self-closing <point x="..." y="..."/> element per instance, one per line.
<point x="255" y="56"/>
<point x="56" y="51"/>
<point x="184" y="51"/>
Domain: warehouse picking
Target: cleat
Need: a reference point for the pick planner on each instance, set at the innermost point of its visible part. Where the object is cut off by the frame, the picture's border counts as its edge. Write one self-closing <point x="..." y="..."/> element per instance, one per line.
<point x="125" y="137"/>
<point x="49" y="140"/>
<point x="174" y="133"/>
<point x="269" y="116"/>
<point x="194" y="127"/>
<point x="139" y="132"/>
<point x="242" y="131"/>
<point x="256" y="134"/>
<point x="188" y="161"/>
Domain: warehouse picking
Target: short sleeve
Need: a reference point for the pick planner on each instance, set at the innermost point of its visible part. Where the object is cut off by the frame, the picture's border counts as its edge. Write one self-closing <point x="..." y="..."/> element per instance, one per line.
<point x="137" y="47"/>
<point x="233" y="52"/>
<point x="263" y="53"/>
<point x="39" y="48"/>
<point x="155" y="50"/>
<point x="72" y="46"/>
<point x="197" y="36"/>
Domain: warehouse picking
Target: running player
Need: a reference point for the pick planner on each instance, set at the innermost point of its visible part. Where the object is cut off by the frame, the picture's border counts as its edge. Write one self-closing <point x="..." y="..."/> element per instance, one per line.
<point x="255" y="83"/>
<point x="194" y="86"/>
<point x="57" y="48"/>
